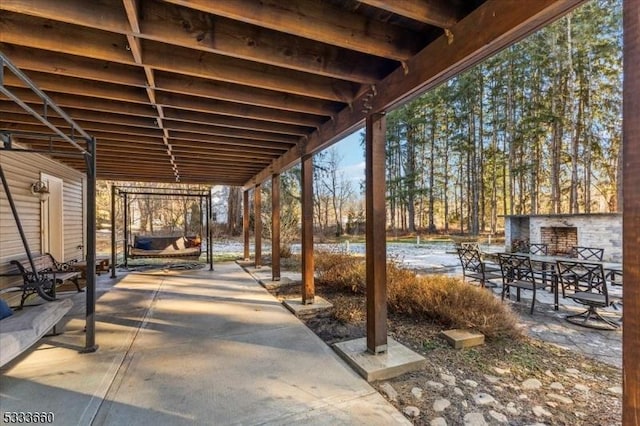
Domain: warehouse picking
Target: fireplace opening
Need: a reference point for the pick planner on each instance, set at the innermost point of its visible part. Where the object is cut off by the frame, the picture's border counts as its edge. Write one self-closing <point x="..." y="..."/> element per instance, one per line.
<point x="559" y="239"/>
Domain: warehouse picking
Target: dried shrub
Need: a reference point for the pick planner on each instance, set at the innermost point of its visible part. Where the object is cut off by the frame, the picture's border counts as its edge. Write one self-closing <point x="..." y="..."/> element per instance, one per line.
<point x="340" y="271"/>
<point x="446" y="300"/>
<point x="285" y="251"/>
<point x="449" y="301"/>
<point x="348" y="310"/>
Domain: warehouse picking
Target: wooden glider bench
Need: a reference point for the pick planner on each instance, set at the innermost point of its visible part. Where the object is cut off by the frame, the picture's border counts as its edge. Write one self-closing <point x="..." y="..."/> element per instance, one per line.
<point x="48" y="274"/>
<point x="145" y="246"/>
<point x="25" y="327"/>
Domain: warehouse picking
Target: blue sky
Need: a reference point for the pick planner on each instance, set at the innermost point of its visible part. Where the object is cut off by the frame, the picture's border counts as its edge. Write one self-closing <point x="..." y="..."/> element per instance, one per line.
<point x="352" y="154"/>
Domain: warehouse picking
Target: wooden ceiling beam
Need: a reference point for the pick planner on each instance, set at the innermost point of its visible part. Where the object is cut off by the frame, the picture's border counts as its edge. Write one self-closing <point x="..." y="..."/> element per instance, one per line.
<point x="217" y="67"/>
<point x="29" y="59"/>
<point x="235" y="122"/>
<point x="44" y="34"/>
<point x="443" y="14"/>
<point x="132" y="10"/>
<point x="65" y="100"/>
<point x="204" y="152"/>
<point x="87" y="88"/>
<point x="222" y="143"/>
<point x="180" y="127"/>
<point x="79" y="87"/>
<point x="101" y="45"/>
<point x="174" y="115"/>
<point x="87" y="115"/>
<point x="193" y="29"/>
<point x="17" y="122"/>
<point x="234" y="138"/>
<point x="245" y="95"/>
<point x="100" y="14"/>
<point x="234" y="144"/>
<point x="317" y="21"/>
<point x="158" y="165"/>
<point x="60" y="64"/>
<point x="201" y="31"/>
<point x="194" y="103"/>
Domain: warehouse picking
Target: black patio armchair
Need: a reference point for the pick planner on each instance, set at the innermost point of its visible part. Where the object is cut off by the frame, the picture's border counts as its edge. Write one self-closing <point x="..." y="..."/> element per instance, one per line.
<point x="475" y="268"/>
<point x="539" y="249"/>
<point x="587" y="253"/>
<point x="589" y="285"/>
<point x="517" y="273"/>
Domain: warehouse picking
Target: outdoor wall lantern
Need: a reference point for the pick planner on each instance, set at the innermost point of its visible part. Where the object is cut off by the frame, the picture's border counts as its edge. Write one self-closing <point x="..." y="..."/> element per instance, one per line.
<point x="40" y="189"/>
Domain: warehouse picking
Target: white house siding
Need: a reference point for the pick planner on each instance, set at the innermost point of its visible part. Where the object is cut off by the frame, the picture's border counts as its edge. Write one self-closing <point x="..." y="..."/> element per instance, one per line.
<point x="21" y="170"/>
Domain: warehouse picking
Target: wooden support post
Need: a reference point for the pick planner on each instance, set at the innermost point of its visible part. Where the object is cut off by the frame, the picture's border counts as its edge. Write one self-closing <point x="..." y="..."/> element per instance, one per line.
<point x="308" y="285"/>
<point x="245" y="223"/>
<point x="114" y="242"/>
<point x="275" y="227"/>
<point x="631" y="214"/>
<point x="376" y="250"/>
<point x="125" y="235"/>
<point x="210" y="230"/>
<point x="257" y="224"/>
<point x="90" y="304"/>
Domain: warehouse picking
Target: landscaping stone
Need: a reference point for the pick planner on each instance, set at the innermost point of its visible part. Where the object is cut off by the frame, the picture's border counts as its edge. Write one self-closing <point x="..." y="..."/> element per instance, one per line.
<point x="581" y="387"/>
<point x="501" y="371"/>
<point x="416" y="392"/>
<point x="540" y="411"/>
<point x="471" y="383"/>
<point x="615" y="390"/>
<point x="388" y="391"/>
<point x="460" y="339"/>
<point x="572" y="371"/>
<point x="438" y="421"/>
<point x="482" y="398"/>
<point x="492" y="379"/>
<point x="435" y="385"/>
<point x="448" y="379"/>
<point x="548" y="373"/>
<point x="531" y="384"/>
<point x="441" y="404"/>
<point x="556" y="386"/>
<point x="458" y="391"/>
<point x="561" y="399"/>
<point x="411" y="411"/>
<point x="499" y="417"/>
<point x="512" y="409"/>
<point x="474" y="419"/>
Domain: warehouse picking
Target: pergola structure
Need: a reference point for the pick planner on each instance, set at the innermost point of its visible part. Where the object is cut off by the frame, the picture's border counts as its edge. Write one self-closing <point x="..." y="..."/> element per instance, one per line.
<point x="235" y="92"/>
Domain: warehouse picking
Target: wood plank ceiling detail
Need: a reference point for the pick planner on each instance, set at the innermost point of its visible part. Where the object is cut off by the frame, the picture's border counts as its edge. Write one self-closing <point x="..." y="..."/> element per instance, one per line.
<point x="231" y="91"/>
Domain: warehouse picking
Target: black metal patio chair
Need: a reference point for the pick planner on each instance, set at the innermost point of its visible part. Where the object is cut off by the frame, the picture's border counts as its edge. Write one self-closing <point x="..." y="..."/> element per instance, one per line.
<point x="517" y="273"/>
<point x="475" y="268"/>
<point x="587" y="253"/>
<point x="539" y="249"/>
<point x="589" y="285"/>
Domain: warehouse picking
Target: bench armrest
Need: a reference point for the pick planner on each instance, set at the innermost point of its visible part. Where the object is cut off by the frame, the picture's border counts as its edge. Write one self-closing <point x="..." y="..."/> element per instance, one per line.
<point x="65" y="266"/>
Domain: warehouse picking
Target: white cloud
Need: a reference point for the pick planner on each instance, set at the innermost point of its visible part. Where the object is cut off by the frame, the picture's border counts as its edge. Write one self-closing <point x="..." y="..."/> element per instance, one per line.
<point x="353" y="171"/>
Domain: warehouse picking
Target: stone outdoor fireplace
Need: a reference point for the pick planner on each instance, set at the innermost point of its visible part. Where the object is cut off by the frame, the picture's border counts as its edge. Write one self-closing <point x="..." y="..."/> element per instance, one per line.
<point x="559" y="239"/>
<point x="562" y="231"/>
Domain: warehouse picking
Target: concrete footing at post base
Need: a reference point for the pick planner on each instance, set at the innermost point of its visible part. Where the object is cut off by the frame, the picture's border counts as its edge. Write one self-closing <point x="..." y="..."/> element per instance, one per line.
<point x="397" y="360"/>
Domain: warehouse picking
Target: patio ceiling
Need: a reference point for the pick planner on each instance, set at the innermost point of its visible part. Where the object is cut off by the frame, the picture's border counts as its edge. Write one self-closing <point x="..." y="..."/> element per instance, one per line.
<point x="231" y="91"/>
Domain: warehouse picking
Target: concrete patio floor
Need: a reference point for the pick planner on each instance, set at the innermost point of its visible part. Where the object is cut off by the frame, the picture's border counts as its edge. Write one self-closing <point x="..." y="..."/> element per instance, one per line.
<point x="190" y="347"/>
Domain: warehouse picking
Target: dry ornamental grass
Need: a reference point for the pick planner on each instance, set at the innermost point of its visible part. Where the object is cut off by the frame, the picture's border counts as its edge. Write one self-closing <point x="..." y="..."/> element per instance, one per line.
<point x="444" y="300"/>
